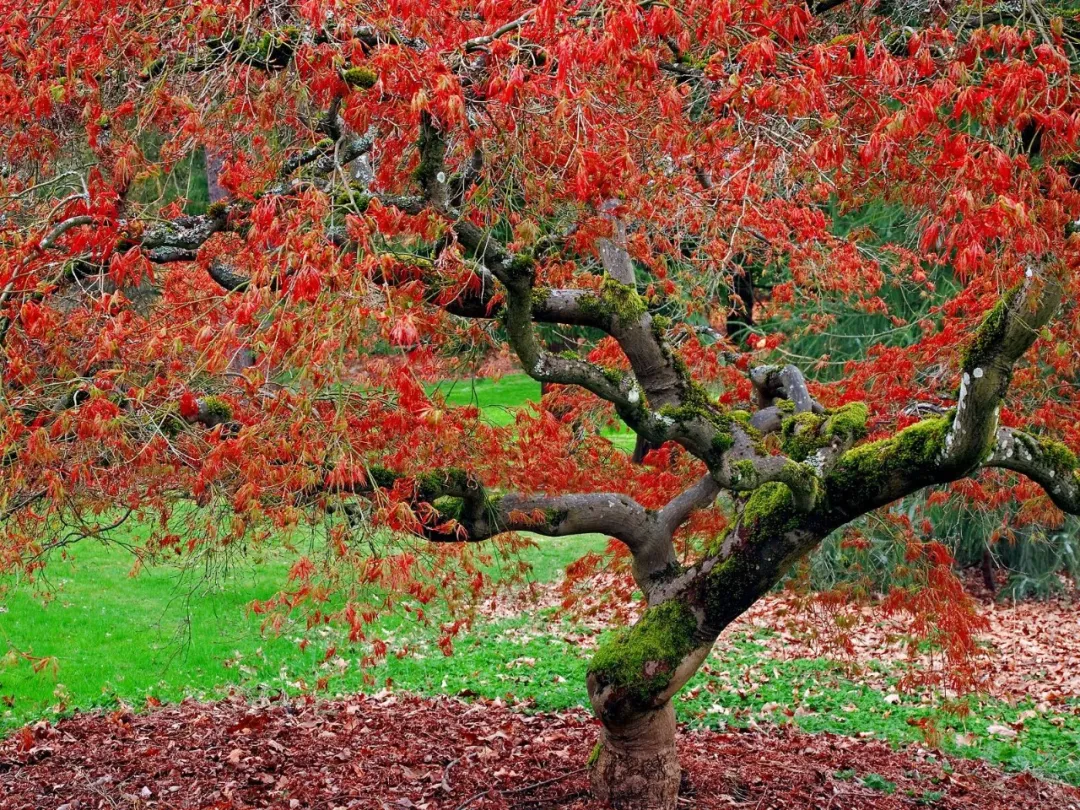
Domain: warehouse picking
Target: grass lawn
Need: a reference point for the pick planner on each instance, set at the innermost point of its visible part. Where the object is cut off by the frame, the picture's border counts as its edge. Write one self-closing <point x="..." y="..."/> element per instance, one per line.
<point x="115" y="637"/>
<point x="498" y="399"/>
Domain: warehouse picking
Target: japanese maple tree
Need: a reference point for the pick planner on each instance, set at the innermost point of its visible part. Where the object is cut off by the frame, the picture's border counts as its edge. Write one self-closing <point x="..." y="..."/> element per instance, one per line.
<point x="412" y="185"/>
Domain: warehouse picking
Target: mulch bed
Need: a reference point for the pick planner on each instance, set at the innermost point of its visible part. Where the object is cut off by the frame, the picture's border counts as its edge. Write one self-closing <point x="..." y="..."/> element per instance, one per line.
<point x="397" y="752"/>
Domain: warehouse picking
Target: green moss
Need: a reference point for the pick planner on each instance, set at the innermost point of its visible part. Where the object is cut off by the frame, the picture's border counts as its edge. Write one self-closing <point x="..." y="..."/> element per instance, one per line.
<point x="432" y="149"/>
<point x="612" y="375"/>
<point x="732" y="586"/>
<point x="742" y="417"/>
<point x="696" y="406"/>
<point x="171" y="423"/>
<point x="355" y="199"/>
<point x="594" y="756"/>
<point x="217" y="409"/>
<point x="770" y="508"/>
<point x="801" y="478"/>
<point x="448" y="507"/>
<point x="722" y="442"/>
<point x="273" y="49"/>
<point x="361" y="78"/>
<point x="848" y="421"/>
<point x="1058" y="454"/>
<point x="743" y="474"/>
<point x="985" y="346"/>
<point x="381" y="477"/>
<point x="801" y="435"/>
<point x="870" y="467"/>
<point x="624" y="302"/>
<point x="433" y="485"/>
<point x="523" y="265"/>
<point x="555" y="516"/>
<point x="616" y="303"/>
<point x="715" y="545"/>
<point x="640" y="660"/>
<point x="540" y="297"/>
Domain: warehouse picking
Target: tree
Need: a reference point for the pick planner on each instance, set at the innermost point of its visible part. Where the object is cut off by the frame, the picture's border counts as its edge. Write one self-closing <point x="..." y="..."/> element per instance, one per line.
<point x="410" y="181"/>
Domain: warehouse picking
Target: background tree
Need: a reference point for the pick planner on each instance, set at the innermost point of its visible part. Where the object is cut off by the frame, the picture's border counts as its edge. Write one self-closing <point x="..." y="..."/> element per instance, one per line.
<point x="441" y="177"/>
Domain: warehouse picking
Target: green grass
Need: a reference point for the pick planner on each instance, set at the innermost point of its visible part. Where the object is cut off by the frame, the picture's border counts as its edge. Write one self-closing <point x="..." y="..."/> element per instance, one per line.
<point x="499" y="399"/>
<point x="107" y="635"/>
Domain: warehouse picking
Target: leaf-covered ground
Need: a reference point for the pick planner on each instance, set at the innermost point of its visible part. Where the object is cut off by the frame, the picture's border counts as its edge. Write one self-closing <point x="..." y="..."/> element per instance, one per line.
<point x="403" y="752"/>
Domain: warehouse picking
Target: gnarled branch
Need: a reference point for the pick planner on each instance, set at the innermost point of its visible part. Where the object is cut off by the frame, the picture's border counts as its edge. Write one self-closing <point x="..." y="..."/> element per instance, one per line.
<point x="1050" y="464"/>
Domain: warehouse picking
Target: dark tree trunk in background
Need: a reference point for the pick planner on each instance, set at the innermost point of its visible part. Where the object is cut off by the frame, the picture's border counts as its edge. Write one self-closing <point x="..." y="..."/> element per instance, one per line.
<point x="741" y="316"/>
<point x="642" y="447"/>
<point x="213" y="163"/>
<point x="988" y="571"/>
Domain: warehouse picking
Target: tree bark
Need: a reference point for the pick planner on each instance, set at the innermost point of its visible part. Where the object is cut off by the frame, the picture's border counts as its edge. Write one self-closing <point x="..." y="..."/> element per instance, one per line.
<point x="637" y="766"/>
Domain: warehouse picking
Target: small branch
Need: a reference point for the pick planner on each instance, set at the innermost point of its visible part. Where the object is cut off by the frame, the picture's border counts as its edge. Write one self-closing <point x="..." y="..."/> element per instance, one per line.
<point x="479" y="43"/>
<point x="699" y="496"/>
<point x="73" y="222"/>
<point x="1049" y="464"/>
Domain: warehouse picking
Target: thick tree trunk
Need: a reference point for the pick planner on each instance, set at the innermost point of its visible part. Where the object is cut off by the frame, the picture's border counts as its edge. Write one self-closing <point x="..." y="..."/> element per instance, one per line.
<point x="637" y="766"/>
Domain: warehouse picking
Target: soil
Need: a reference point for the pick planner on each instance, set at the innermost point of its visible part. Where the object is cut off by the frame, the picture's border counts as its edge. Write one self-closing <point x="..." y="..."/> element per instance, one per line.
<point x="398" y="752"/>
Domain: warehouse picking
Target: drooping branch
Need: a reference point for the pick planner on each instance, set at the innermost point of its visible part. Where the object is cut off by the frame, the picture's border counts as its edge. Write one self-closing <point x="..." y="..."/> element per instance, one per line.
<point x="60" y="229"/>
<point x="468" y="512"/>
<point x="478" y="43"/>
<point x="1050" y="464"/>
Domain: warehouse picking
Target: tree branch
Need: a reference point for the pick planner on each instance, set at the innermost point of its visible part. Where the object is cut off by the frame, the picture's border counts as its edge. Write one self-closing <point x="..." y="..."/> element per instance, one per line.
<point x="699" y="496"/>
<point x="1050" y="464"/>
<point x="1005" y="334"/>
<point x="478" y="43"/>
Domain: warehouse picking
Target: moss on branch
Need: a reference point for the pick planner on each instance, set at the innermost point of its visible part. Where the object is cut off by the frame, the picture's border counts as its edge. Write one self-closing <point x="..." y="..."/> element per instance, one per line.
<point x="868" y="473"/>
<point x="803" y="434"/>
<point x="638" y="662"/>
<point x="986" y="344"/>
<point x="360" y="78"/>
<point x="770" y="509"/>
<point x="615" y="304"/>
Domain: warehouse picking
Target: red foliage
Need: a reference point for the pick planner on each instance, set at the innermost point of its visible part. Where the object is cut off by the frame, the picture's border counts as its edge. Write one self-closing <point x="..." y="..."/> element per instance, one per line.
<point x="773" y="115"/>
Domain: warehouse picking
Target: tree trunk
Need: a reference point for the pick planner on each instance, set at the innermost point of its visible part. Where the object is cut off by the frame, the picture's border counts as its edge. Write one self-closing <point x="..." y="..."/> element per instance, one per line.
<point x="988" y="571"/>
<point x="642" y="448"/>
<point x="637" y="766"/>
